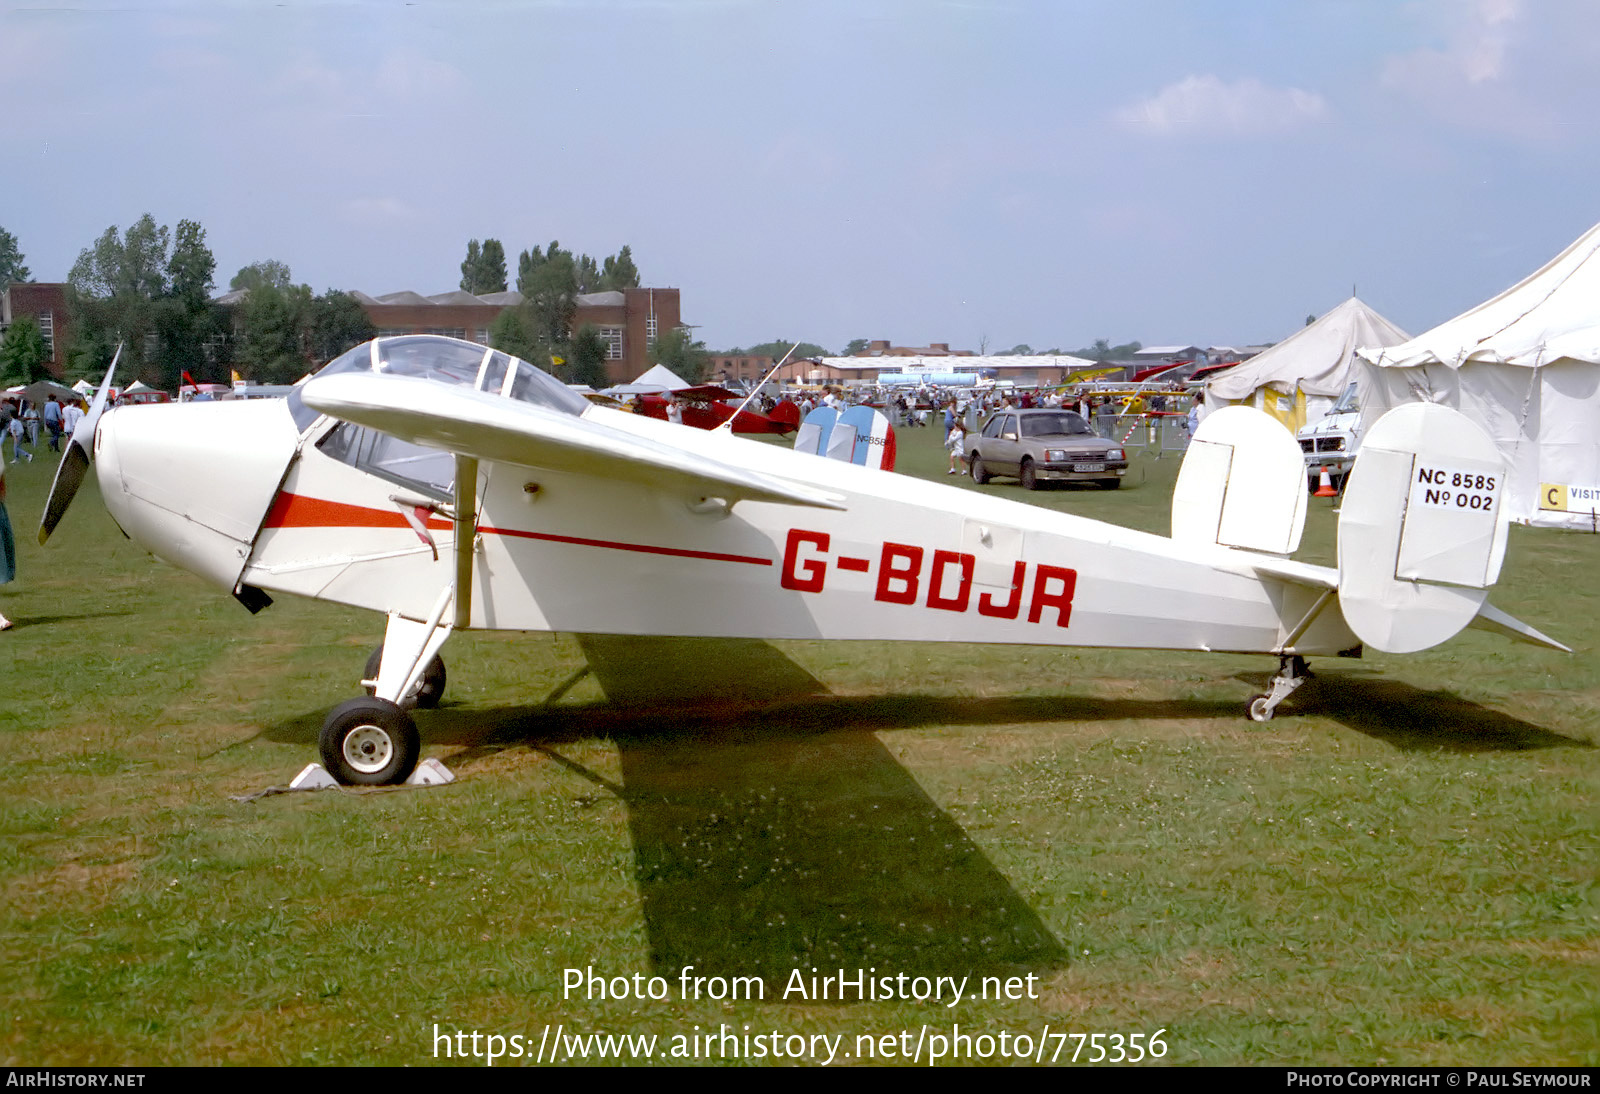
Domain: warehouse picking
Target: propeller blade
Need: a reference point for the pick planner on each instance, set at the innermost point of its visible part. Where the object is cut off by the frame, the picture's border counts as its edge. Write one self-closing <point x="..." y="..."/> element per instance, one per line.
<point x="74" y="467"/>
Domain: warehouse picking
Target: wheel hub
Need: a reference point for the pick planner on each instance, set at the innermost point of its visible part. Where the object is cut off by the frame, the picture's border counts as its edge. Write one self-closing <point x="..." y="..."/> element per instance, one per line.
<point x="367" y="749"/>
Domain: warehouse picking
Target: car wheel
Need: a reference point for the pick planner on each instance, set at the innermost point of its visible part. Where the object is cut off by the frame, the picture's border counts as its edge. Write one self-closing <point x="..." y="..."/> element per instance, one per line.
<point x="1111" y="484"/>
<point x="369" y="742"/>
<point x="1029" y="477"/>
<point x="980" y="473"/>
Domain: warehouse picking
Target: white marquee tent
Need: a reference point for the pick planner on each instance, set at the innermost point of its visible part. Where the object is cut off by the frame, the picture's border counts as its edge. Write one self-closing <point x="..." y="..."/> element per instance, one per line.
<point x="1526" y="367"/>
<point x="1297" y="380"/>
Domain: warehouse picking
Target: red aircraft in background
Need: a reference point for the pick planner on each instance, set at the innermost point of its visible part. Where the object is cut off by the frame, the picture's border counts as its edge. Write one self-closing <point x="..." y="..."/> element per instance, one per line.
<point x="704" y="408"/>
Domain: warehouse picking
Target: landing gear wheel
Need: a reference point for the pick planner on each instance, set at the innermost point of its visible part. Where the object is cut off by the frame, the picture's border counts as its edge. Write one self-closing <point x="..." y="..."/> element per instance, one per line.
<point x="980" y="473"/>
<point x="430" y="688"/>
<point x="369" y="742"/>
<point x="1029" y="477"/>
<point x="1259" y="709"/>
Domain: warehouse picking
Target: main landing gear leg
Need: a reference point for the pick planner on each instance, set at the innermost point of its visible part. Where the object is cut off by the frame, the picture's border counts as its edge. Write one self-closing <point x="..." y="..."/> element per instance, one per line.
<point x="372" y="740"/>
<point x="1292" y="672"/>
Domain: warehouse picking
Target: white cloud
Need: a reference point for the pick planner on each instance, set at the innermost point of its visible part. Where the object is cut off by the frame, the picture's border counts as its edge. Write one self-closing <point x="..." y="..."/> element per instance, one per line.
<point x="1208" y="106"/>
<point x="1475" y="51"/>
<point x="1478" y="76"/>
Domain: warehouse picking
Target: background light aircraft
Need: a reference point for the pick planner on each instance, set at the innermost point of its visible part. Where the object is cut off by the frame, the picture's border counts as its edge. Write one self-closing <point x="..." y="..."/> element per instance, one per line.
<point x="704" y="407"/>
<point x="450" y="486"/>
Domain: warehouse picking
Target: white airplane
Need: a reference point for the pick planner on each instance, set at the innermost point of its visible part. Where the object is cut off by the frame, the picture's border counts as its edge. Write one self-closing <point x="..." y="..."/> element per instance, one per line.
<point x="453" y="487"/>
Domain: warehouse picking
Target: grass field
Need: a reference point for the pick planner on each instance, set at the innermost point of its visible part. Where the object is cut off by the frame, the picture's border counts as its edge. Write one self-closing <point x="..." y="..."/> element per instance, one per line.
<point x="1401" y="868"/>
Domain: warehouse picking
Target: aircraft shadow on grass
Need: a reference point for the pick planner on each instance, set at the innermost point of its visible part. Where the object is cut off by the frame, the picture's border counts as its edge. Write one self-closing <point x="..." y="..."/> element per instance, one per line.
<point x="773" y="831"/>
<point x="1412" y="719"/>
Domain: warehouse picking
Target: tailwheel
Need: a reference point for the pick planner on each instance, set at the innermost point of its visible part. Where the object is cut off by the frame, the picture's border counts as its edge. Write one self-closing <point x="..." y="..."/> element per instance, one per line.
<point x="1292" y="672"/>
<point x="369" y="742"/>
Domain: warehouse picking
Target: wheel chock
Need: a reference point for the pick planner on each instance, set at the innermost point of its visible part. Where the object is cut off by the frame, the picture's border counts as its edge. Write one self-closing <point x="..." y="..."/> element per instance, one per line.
<point x="314" y="777"/>
<point x="430" y="772"/>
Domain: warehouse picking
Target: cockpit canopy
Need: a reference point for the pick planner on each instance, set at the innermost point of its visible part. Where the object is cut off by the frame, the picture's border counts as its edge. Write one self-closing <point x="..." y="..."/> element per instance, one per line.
<point x="464" y="364"/>
<point x="442" y="360"/>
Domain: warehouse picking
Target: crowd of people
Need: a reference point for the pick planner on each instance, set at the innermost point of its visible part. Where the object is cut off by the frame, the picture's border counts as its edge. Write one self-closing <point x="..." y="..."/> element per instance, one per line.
<point x="23" y="422"/>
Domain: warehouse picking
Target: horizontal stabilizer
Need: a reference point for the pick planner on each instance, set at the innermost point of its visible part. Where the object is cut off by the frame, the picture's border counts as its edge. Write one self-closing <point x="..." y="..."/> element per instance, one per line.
<point x="491" y="427"/>
<point x="1491" y="618"/>
<point x="1297" y="573"/>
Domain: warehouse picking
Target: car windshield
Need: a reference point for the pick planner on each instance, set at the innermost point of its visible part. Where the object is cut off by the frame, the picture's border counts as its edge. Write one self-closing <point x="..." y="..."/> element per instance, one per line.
<point x="1348" y="403"/>
<point x="1066" y="423"/>
<point x="449" y="361"/>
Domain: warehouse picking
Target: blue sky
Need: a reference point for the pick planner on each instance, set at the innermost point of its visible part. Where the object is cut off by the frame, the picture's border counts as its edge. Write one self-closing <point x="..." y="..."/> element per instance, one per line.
<point x="965" y="172"/>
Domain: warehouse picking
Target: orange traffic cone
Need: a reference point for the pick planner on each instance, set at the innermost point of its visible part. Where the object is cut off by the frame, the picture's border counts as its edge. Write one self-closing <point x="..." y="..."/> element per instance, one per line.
<point x="1325" y="486"/>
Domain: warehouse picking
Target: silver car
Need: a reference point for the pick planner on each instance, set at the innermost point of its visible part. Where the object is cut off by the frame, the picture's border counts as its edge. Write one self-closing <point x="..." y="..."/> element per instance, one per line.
<point x="1043" y="445"/>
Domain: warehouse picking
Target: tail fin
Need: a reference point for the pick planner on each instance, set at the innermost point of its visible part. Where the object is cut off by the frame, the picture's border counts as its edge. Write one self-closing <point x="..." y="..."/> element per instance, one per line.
<point x="1242" y="484"/>
<point x="1422" y="532"/>
<point x="786" y="413"/>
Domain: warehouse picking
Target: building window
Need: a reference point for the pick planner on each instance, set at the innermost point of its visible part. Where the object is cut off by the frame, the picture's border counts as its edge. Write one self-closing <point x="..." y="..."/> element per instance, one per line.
<point x="47" y="328"/>
<point x="650" y="327"/>
<point x="612" y="337"/>
<point x="448" y="332"/>
<point x="480" y="335"/>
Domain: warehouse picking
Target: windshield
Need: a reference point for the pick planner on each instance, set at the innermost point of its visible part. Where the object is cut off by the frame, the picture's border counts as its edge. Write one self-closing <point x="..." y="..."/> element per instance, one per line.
<point x="449" y="361"/>
<point x="1054" y="425"/>
<point x="1348" y="403"/>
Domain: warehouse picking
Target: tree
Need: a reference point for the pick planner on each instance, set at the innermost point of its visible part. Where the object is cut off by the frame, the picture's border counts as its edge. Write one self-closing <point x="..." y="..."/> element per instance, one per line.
<point x="548" y="282"/>
<point x="776" y="348"/>
<point x="338" y="323"/>
<point x="586" y="359"/>
<point x="272" y="342"/>
<point x="678" y="351"/>
<point x="856" y="347"/>
<point x="22" y="353"/>
<point x="186" y="319"/>
<point x="619" y="271"/>
<point x="511" y="333"/>
<point x="11" y="267"/>
<point x="191" y="271"/>
<point x="587" y="273"/>
<point x="484" y="270"/>
<point x="268" y="272"/>
<point x="115" y="287"/>
<point x="1310" y="319"/>
<point x="1021" y="349"/>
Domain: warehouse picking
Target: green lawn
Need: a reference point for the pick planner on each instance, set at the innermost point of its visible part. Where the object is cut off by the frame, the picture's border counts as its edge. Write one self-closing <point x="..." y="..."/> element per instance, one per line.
<point x="1401" y="868"/>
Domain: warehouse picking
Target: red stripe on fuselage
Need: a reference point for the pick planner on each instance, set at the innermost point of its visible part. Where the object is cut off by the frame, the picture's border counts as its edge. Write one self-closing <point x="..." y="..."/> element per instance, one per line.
<point x="297" y="511"/>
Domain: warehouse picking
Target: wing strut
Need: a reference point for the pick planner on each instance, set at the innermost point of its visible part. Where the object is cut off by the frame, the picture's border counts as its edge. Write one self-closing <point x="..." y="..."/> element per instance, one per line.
<point x="466" y="532"/>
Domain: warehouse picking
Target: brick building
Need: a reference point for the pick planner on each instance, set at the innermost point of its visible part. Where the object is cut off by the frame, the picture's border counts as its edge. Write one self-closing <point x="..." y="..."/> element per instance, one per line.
<point x="46" y="302"/>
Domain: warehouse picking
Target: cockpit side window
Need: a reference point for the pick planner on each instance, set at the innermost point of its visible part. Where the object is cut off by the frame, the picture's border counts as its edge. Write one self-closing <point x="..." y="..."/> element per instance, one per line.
<point x="427" y="470"/>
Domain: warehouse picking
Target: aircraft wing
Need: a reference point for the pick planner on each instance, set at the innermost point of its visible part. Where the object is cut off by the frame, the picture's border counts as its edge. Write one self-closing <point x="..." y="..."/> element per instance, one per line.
<point x="711" y="393"/>
<point x="492" y="427"/>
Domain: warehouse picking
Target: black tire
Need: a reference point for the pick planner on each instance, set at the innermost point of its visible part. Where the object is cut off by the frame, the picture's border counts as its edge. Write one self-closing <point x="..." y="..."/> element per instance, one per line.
<point x="430" y="689"/>
<point x="1111" y="484"/>
<point x="1028" y="476"/>
<point x="369" y="742"/>
<point x="980" y="473"/>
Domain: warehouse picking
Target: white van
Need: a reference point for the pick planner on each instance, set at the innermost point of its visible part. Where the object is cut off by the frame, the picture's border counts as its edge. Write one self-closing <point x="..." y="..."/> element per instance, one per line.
<point x="1332" y="440"/>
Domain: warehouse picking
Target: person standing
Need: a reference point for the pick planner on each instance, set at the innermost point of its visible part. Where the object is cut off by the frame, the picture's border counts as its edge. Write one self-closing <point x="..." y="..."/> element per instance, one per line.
<point x="955" y="441"/>
<point x="71" y="415"/>
<point x="8" y="543"/>
<point x="52" y="422"/>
